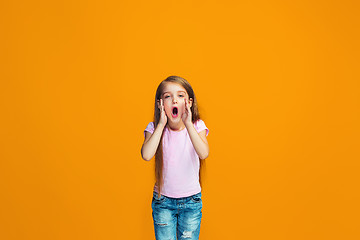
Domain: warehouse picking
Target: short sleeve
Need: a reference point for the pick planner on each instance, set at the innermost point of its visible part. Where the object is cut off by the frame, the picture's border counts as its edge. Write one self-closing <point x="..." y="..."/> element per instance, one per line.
<point x="200" y="126"/>
<point x="149" y="128"/>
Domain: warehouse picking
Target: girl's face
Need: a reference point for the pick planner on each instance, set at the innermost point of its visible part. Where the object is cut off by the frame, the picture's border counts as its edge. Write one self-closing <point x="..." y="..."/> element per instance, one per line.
<point x="174" y="96"/>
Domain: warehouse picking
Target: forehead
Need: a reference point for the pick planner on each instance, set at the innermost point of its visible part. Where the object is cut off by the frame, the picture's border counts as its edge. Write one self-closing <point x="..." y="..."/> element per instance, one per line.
<point x="173" y="88"/>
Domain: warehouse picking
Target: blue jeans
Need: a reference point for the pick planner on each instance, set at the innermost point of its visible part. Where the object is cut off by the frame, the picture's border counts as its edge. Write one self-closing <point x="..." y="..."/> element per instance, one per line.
<point x="177" y="218"/>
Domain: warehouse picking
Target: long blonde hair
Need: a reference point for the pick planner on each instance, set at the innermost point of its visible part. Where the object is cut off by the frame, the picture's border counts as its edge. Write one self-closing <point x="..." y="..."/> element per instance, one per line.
<point x="195" y="116"/>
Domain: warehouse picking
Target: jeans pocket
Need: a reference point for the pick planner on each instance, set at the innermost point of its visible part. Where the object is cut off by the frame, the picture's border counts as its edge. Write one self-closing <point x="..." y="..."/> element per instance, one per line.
<point x="196" y="198"/>
<point x="157" y="199"/>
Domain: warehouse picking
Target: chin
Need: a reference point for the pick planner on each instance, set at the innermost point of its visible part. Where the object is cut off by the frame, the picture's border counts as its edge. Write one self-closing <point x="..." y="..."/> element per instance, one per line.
<point x="174" y="120"/>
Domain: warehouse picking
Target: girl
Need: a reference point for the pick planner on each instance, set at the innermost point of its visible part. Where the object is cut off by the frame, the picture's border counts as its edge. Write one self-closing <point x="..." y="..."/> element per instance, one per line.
<point x="177" y="138"/>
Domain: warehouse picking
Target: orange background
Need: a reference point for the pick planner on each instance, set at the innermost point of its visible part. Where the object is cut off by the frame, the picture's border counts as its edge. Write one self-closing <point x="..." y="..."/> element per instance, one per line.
<point x="277" y="84"/>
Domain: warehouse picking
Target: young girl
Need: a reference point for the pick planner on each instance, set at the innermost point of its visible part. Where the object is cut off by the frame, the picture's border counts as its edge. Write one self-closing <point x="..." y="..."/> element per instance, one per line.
<point x="177" y="138"/>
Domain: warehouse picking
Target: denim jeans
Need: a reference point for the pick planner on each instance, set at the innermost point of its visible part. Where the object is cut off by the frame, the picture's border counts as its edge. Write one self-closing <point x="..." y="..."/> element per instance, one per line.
<point x="176" y="218"/>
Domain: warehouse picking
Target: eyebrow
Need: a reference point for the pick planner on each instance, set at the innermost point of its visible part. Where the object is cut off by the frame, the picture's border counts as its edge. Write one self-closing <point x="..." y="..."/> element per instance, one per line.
<point x="177" y="91"/>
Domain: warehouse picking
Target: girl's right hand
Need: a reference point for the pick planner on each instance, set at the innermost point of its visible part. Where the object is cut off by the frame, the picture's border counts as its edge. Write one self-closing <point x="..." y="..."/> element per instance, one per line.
<point x="163" y="117"/>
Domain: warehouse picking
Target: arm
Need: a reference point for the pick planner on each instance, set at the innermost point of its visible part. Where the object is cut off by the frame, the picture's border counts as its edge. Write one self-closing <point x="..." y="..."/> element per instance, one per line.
<point x="198" y="140"/>
<point x="151" y="143"/>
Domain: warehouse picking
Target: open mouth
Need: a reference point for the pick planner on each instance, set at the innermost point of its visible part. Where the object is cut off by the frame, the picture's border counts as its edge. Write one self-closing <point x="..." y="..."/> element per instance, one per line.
<point x="174" y="112"/>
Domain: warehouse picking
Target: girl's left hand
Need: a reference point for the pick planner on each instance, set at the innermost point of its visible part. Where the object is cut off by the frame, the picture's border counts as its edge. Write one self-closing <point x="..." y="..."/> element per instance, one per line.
<point x="186" y="116"/>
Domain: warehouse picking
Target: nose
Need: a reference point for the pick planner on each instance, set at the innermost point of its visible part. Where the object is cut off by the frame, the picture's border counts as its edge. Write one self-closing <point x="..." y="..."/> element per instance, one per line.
<point x="174" y="100"/>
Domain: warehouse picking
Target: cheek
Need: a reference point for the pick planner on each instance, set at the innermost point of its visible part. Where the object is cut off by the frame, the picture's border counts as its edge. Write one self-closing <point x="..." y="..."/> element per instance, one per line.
<point x="167" y="107"/>
<point x="182" y="106"/>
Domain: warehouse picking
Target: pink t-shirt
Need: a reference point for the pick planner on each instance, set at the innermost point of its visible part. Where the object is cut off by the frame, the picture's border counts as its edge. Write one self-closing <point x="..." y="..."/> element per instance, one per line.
<point x="180" y="162"/>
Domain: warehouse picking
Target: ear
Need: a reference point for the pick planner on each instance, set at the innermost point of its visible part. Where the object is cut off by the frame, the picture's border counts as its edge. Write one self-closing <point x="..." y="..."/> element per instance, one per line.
<point x="191" y="102"/>
<point x="158" y="103"/>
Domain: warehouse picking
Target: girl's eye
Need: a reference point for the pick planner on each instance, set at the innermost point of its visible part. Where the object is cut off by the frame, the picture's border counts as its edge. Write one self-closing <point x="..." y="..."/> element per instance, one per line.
<point x="181" y="95"/>
<point x="167" y="96"/>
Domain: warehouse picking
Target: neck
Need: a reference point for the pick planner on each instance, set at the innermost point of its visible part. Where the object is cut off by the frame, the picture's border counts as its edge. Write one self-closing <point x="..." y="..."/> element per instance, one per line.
<point x="176" y="126"/>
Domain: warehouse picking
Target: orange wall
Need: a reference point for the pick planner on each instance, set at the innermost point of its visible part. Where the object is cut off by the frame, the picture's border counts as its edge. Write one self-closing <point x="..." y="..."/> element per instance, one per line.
<point x="277" y="84"/>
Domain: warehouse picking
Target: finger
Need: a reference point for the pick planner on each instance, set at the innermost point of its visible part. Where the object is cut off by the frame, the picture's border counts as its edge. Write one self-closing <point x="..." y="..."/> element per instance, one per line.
<point x="187" y="104"/>
<point x="162" y="105"/>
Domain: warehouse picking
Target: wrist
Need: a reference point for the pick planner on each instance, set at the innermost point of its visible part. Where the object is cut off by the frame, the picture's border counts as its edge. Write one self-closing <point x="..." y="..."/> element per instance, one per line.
<point x="188" y="123"/>
<point x="161" y="125"/>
